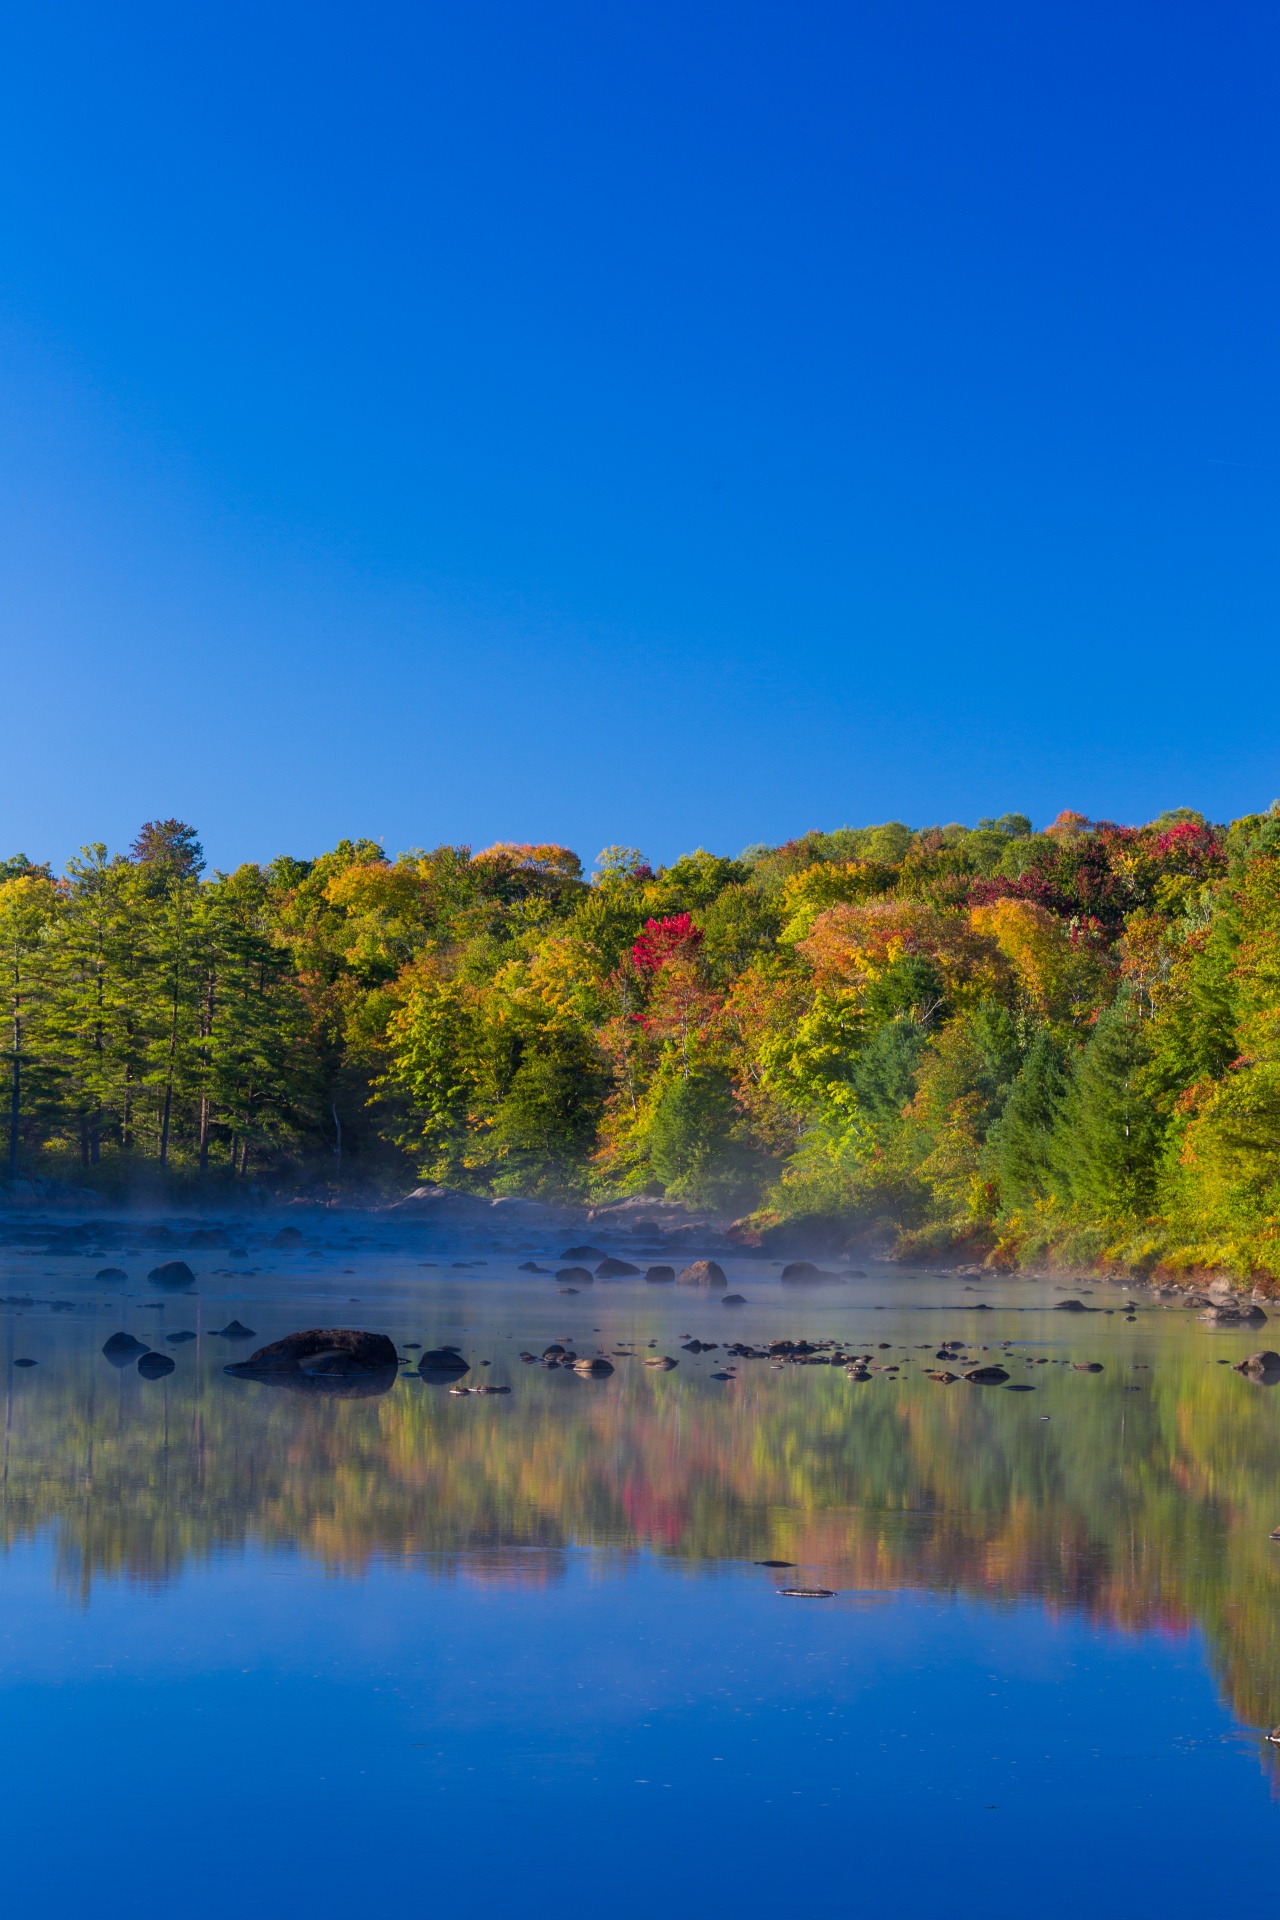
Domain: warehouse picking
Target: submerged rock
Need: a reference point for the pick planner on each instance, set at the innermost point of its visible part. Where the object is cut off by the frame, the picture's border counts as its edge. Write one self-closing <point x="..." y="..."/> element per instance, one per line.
<point x="172" y="1273"/>
<point x="154" y="1366"/>
<point x="734" y="1300"/>
<point x="531" y="1266"/>
<point x="659" y="1276"/>
<point x="179" y="1339"/>
<point x="775" y="1563"/>
<point x="702" y="1273"/>
<point x="111" y="1273"/>
<point x="26" y="1363"/>
<point x="807" y="1593"/>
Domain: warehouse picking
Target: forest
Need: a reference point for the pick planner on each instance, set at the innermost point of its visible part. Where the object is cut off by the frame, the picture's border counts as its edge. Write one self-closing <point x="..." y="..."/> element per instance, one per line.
<point x="1019" y="1044"/>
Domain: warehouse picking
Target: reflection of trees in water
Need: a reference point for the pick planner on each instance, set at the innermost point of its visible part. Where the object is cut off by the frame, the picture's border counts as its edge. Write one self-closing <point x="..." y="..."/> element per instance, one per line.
<point x="1140" y="1509"/>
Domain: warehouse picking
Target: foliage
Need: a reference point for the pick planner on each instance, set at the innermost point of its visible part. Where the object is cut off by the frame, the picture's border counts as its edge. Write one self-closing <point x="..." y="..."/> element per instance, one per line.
<point x="996" y="1036"/>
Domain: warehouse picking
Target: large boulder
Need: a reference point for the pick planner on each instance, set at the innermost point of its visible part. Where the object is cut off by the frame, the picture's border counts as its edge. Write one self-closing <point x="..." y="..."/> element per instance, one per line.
<point x="576" y="1277"/>
<point x="660" y="1276"/>
<point x="703" y="1273"/>
<point x="334" y="1352"/>
<point x="612" y="1269"/>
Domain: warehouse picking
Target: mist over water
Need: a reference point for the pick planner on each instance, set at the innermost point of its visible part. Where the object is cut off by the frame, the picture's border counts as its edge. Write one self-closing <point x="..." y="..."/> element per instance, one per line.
<point x="300" y="1651"/>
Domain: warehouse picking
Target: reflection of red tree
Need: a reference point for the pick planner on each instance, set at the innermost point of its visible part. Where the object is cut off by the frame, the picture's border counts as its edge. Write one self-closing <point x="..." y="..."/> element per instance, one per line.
<point x="656" y="1513"/>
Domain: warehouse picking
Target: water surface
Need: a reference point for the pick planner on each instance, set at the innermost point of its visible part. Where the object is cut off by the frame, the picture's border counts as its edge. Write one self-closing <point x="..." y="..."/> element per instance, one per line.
<point x="277" y="1653"/>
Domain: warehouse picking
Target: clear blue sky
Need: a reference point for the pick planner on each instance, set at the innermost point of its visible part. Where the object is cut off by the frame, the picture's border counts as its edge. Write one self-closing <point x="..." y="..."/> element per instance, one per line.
<point x="670" y="424"/>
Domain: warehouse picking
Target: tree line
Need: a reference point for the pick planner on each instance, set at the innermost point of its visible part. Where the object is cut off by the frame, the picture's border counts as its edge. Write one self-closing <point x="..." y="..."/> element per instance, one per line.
<point x="989" y="1036"/>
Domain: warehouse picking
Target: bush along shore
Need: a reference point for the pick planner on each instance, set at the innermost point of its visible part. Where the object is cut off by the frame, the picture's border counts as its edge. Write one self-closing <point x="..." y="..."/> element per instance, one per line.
<point x="1056" y="1049"/>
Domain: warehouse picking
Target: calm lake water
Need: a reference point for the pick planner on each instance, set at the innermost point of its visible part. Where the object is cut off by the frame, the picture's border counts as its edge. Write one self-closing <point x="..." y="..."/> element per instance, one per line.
<point x="273" y="1653"/>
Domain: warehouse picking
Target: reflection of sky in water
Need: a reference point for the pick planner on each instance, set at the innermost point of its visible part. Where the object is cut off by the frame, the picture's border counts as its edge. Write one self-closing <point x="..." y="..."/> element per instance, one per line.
<point x="278" y="1656"/>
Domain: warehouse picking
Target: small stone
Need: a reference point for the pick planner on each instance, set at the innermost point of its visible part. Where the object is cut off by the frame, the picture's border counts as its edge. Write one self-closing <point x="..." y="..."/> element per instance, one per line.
<point x="734" y="1300"/>
<point x="663" y="1360"/>
<point x="1086" y="1366"/>
<point x="777" y="1563"/>
<point x="26" y="1363"/>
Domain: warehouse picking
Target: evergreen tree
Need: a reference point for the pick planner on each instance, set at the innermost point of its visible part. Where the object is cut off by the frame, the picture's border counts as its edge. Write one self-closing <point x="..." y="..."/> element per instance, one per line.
<point x="1108" y="1137"/>
<point x="1022" y="1139"/>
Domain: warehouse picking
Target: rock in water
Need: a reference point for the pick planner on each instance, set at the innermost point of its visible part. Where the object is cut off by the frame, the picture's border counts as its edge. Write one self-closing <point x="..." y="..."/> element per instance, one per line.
<point x="659" y="1276"/>
<point x="154" y="1366"/>
<point x="615" y="1269"/>
<point x="1086" y="1366"/>
<point x="734" y="1300"/>
<point x="803" y="1273"/>
<point x="1070" y="1306"/>
<point x="111" y="1273"/>
<point x="775" y="1563"/>
<point x="596" y="1369"/>
<point x="235" y="1330"/>
<point x="576" y="1277"/>
<point x="320" y="1349"/>
<point x="584" y="1253"/>
<point x="986" y="1376"/>
<point x="442" y="1363"/>
<point x="702" y="1273"/>
<point x="26" y="1363"/>
<point x="1262" y="1368"/>
<point x="179" y="1339"/>
<point x="531" y="1266"/>
<point x="662" y="1360"/>
<point x="173" y="1273"/>
<point x="121" y="1348"/>
<point x="807" y="1593"/>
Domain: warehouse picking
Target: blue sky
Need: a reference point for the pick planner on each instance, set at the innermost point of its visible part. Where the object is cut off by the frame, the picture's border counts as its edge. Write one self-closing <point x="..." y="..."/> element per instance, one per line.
<point x="673" y="424"/>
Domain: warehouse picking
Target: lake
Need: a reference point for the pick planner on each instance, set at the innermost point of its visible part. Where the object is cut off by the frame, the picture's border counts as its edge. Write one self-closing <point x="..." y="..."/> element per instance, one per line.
<point x="271" y="1652"/>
